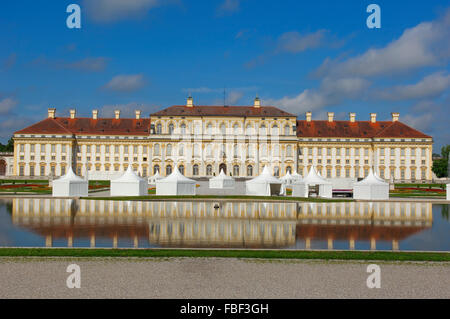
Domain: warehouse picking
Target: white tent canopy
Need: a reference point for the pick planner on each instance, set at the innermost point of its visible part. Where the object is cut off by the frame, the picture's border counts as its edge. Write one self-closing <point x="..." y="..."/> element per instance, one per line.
<point x="70" y="185"/>
<point x="301" y="188"/>
<point x="448" y="191"/>
<point x="152" y="179"/>
<point x="371" y="187"/>
<point x="297" y="176"/>
<point x="265" y="185"/>
<point x="222" y="181"/>
<point x="129" y="184"/>
<point x="288" y="179"/>
<point x="175" y="184"/>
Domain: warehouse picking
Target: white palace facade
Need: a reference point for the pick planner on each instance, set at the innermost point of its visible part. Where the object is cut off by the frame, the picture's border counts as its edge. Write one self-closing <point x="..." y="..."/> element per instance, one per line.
<point x="201" y="140"/>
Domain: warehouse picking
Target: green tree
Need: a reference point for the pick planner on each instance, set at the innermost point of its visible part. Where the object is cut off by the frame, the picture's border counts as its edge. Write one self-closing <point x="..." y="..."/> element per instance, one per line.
<point x="440" y="166"/>
<point x="9" y="147"/>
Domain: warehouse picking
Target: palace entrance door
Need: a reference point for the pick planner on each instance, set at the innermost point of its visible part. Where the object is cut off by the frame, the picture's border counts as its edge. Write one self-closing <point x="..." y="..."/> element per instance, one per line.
<point x="223" y="167"/>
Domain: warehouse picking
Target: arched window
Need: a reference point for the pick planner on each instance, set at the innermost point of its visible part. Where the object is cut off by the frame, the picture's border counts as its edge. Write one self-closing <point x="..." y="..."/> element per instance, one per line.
<point x="275" y="130"/>
<point x="276" y="150"/>
<point x="155" y="169"/>
<point x="289" y="170"/>
<point x="236" y="170"/>
<point x="235" y="129"/>
<point x="195" y="170"/>
<point x="168" y="170"/>
<point x="169" y="150"/>
<point x="183" y="129"/>
<point x="181" y="150"/>
<point x="286" y="130"/>
<point x="158" y="128"/>
<point x="171" y="128"/>
<point x="276" y="171"/>
<point x="262" y="130"/>
<point x="289" y="150"/>
<point x="249" y="170"/>
<point x="196" y="150"/>
<point x="209" y="129"/>
<point x="222" y="150"/>
<point x="223" y="129"/>
<point x="248" y="129"/>
<point x="181" y="169"/>
<point x="157" y="150"/>
<point x="264" y="150"/>
<point x="209" y="170"/>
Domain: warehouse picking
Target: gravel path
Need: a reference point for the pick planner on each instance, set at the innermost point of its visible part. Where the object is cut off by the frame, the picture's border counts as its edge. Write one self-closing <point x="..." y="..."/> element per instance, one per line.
<point x="31" y="277"/>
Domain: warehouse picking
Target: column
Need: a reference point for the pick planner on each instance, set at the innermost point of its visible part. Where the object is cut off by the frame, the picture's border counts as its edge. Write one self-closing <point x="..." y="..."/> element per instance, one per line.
<point x="373" y="244"/>
<point x="115" y="241"/>
<point x="70" y="240"/>
<point x="48" y="241"/>
<point x="308" y="243"/>
<point x="352" y="243"/>
<point x="92" y="240"/>
<point x="395" y="245"/>
<point x="136" y="241"/>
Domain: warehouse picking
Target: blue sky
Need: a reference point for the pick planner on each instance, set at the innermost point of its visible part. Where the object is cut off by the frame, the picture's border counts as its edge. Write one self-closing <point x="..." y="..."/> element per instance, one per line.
<point x="149" y="54"/>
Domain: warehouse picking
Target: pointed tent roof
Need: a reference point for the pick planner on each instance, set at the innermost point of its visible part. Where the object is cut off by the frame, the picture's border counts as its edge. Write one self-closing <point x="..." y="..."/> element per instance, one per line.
<point x="314" y="178"/>
<point x="70" y="176"/>
<point x="222" y="176"/>
<point x="372" y="179"/>
<point x="288" y="176"/>
<point x="157" y="175"/>
<point x="297" y="176"/>
<point x="128" y="176"/>
<point x="265" y="177"/>
<point x="176" y="176"/>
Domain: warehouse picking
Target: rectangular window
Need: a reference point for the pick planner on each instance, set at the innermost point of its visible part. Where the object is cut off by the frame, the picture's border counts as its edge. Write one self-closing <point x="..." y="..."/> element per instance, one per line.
<point x="392" y="151"/>
<point x="22" y="147"/>
<point x="31" y="170"/>
<point x="135" y="149"/>
<point x="42" y="148"/>
<point x="97" y="149"/>
<point x="424" y="152"/>
<point x="107" y="149"/>
<point x="88" y="149"/>
<point x="21" y="171"/>
<point x="63" y="149"/>
<point x="116" y="149"/>
<point x="32" y="148"/>
<point x="53" y="148"/>
<point x="42" y="171"/>
<point x="125" y="149"/>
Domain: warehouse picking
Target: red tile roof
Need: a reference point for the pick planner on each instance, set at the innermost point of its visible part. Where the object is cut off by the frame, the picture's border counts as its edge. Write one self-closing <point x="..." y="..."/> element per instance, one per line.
<point x="209" y="110"/>
<point x="89" y="126"/>
<point x="358" y="129"/>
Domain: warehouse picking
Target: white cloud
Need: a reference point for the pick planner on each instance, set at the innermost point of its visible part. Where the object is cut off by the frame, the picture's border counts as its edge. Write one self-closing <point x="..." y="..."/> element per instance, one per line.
<point x="228" y="7"/>
<point x="7" y="104"/>
<point x="233" y="97"/>
<point x="107" y="11"/>
<point x="125" y="83"/>
<point x="430" y="86"/>
<point x="423" y="45"/>
<point x="331" y="92"/>
<point x="295" y="42"/>
<point x="420" y="122"/>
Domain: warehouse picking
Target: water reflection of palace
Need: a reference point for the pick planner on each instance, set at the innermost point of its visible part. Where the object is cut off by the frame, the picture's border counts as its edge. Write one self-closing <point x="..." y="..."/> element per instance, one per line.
<point x="220" y="224"/>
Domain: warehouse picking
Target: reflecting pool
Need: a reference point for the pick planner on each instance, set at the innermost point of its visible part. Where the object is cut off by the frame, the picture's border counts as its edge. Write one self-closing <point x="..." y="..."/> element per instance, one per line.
<point x="30" y="222"/>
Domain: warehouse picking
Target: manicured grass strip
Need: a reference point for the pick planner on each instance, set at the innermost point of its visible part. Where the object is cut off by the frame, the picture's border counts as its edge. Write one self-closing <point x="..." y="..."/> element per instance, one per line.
<point x="282" y="198"/>
<point x="278" y="254"/>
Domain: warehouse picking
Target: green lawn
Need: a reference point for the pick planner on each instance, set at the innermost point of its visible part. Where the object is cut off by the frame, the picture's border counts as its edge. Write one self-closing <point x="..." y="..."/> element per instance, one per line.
<point x="279" y="254"/>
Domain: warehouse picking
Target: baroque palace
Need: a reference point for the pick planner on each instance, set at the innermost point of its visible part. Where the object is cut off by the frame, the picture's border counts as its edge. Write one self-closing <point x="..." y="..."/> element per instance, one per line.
<point x="241" y="140"/>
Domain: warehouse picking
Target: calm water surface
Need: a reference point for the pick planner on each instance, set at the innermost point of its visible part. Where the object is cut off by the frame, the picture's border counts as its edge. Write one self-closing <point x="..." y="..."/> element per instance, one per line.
<point x="347" y="225"/>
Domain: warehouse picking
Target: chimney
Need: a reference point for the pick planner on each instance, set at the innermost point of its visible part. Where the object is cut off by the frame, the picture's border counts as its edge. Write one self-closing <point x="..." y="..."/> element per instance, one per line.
<point x="257" y="102"/>
<point x="72" y="113"/>
<point x="190" y="101"/>
<point x="308" y="116"/>
<point x="330" y="116"/>
<point x="117" y="114"/>
<point x="373" y="117"/>
<point x="352" y="117"/>
<point x="395" y="117"/>
<point x="95" y="114"/>
<point x="138" y="114"/>
<point x="51" y="113"/>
